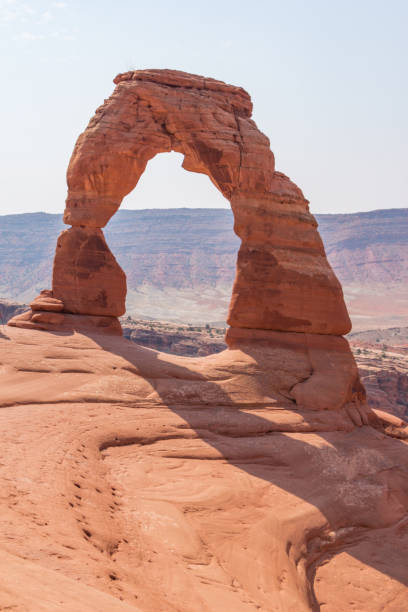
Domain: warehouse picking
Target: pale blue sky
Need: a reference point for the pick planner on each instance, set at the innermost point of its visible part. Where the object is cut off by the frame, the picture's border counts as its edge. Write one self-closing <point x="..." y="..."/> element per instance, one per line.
<point x="328" y="80"/>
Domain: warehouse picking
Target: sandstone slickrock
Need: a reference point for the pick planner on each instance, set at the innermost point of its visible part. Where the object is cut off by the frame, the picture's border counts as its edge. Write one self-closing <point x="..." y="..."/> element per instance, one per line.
<point x="66" y="322"/>
<point x="45" y="301"/>
<point x="239" y="481"/>
<point x="171" y="483"/>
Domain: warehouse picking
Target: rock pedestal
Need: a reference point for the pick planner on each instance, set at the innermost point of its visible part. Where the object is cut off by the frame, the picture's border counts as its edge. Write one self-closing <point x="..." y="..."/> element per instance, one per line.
<point x="86" y="276"/>
<point x="49" y="314"/>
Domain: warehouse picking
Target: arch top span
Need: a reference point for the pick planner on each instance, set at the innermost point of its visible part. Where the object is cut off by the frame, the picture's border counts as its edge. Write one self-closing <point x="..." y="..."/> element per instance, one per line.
<point x="158" y="111"/>
<point x="239" y="98"/>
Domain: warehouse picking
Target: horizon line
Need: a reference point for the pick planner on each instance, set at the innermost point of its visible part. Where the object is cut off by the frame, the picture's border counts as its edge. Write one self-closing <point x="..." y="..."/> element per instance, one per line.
<point x="192" y="209"/>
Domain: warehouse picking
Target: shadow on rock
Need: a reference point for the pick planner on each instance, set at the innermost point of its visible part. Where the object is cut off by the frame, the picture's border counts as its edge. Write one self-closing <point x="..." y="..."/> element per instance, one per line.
<point x="353" y="480"/>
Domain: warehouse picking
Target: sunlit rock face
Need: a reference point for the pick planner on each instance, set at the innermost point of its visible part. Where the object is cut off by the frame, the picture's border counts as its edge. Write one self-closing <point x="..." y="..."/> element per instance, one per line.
<point x="136" y="480"/>
<point x="283" y="279"/>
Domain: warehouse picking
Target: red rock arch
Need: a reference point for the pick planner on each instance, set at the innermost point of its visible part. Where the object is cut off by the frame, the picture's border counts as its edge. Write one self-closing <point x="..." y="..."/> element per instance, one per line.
<point x="283" y="281"/>
<point x="283" y="285"/>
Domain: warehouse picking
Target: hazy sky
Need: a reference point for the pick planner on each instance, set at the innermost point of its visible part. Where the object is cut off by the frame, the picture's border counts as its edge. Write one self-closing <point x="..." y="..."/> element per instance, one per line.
<point x="328" y="80"/>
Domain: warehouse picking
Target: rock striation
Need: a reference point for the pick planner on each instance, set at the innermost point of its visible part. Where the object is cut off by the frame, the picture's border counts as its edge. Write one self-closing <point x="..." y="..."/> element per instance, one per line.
<point x="86" y="276"/>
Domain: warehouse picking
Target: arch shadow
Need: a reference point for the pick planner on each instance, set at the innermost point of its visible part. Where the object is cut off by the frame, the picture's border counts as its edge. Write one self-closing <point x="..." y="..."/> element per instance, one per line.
<point x="317" y="473"/>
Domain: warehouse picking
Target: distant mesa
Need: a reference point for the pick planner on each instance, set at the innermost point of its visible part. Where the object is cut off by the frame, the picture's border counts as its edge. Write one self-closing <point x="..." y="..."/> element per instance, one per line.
<point x="180" y="263"/>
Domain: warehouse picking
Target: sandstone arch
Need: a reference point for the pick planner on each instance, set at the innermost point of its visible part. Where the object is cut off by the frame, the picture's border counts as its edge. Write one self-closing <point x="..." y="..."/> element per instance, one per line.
<point x="287" y="309"/>
<point x="283" y="279"/>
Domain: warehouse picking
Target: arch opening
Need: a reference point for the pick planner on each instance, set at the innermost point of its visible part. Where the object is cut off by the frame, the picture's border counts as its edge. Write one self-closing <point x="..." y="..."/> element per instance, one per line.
<point x="173" y="237"/>
<point x="166" y="184"/>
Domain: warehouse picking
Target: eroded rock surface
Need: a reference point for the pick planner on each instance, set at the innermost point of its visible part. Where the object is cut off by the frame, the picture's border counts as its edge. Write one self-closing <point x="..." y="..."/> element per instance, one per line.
<point x="86" y="276"/>
<point x="131" y="479"/>
<point x="235" y="481"/>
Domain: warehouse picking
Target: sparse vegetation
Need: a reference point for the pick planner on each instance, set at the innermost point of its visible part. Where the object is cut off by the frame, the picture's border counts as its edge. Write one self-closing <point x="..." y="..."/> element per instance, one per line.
<point x="193" y="340"/>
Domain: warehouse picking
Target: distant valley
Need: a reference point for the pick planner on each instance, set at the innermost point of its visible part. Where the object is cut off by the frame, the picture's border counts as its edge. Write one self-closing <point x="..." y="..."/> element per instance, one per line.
<point x="180" y="263"/>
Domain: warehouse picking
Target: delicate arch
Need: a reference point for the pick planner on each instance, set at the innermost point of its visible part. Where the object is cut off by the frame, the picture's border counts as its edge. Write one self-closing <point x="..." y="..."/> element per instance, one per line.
<point x="283" y="281"/>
